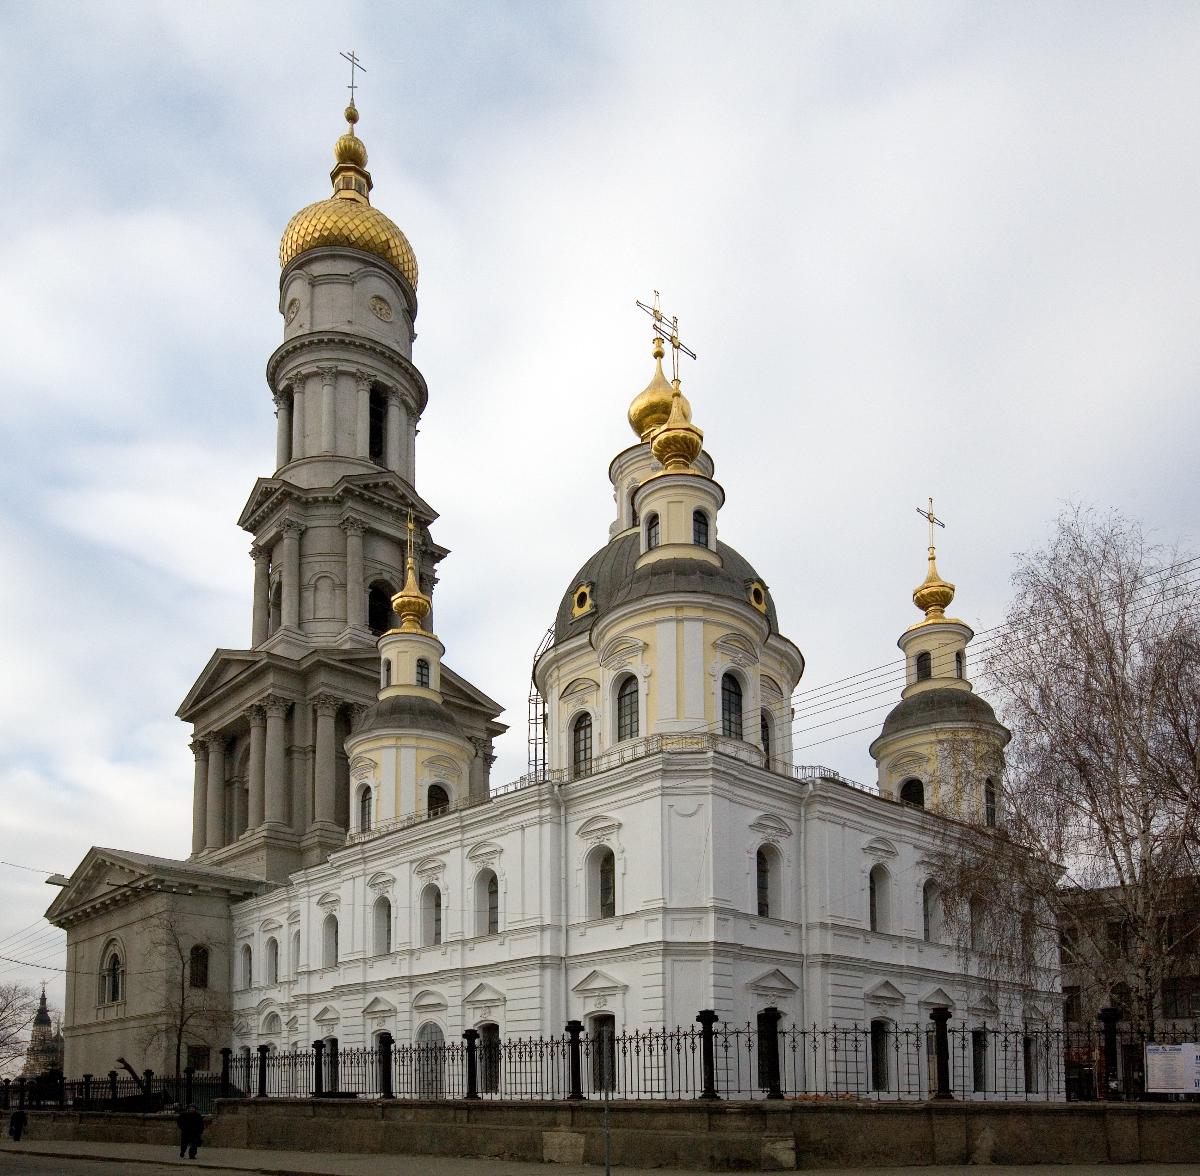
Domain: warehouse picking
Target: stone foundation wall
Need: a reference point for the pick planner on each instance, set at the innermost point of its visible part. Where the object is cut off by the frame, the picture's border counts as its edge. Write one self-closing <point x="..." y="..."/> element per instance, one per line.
<point x="708" y="1137"/>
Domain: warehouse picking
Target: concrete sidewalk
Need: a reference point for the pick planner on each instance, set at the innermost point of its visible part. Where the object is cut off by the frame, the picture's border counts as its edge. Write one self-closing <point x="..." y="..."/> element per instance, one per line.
<point x="287" y="1163"/>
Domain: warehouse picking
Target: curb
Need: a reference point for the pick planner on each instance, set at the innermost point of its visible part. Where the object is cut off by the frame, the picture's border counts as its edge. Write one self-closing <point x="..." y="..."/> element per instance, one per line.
<point x="191" y="1164"/>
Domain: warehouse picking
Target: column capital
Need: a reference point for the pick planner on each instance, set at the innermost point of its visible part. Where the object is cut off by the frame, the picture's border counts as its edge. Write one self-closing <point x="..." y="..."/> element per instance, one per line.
<point x="273" y="705"/>
<point x="356" y="710"/>
<point x="482" y="745"/>
<point x="296" y="376"/>
<point x="216" y="741"/>
<point x="199" y="746"/>
<point x="328" y="373"/>
<point x="395" y="396"/>
<point x="326" y="704"/>
<point x="353" y="526"/>
<point x="260" y="554"/>
<point x="257" y="715"/>
<point x="362" y="380"/>
<point x="281" y="397"/>
<point x="292" y="528"/>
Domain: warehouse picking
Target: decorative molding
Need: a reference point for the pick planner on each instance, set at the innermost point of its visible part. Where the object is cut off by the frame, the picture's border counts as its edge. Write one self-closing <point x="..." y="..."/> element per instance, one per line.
<point x="429" y="868"/>
<point x="257" y="715"/>
<point x="596" y="982"/>
<point x="428" y="1001"/>
<point x="485" y="994"/>
<point x="737" y="649"/>
<point x="292" y="528"/>
<point x="327" y="705"/>
<point x="258" y="553"/>
<point x="773" y="983"/>
<point x="884" y="993"/>
<point x="620" y="651"/>
<point x="770" y="825"/>
<point x="880" y="847"/>
<point x="381" y="883"/>
<point x="329" y="902"/>
<point x="485" y="853"/>
<point x="598" y="827"/>
<point x="352" y="525"/>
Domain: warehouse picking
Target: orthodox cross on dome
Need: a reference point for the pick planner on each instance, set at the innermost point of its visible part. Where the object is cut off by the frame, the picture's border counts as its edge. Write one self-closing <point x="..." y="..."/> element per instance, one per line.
<point x="932" y="519"/>
<point x="667" y="329"/>
<point x="352" y="58"/>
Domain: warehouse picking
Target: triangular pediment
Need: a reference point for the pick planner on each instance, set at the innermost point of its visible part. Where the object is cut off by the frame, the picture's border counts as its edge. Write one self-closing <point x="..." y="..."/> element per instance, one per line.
<point x="224" y="668"/>
<point x="597" y="981"/>
<point x="938" y="996"/>
<point x="884" y="992"/>
<point x="484" y="994"/>
<point x="773" y="981"/>
<point x="378" y="1007"/>
<point x="327" y="1016"/>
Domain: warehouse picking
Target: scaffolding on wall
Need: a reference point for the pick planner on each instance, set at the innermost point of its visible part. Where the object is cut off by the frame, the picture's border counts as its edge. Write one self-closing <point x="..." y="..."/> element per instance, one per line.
<point x="537" y="716"/>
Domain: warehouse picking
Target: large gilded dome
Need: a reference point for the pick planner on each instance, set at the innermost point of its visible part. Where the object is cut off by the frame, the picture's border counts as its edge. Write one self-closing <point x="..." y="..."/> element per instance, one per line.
<point x="351" y="224"/>
<point x="347" y="218"/>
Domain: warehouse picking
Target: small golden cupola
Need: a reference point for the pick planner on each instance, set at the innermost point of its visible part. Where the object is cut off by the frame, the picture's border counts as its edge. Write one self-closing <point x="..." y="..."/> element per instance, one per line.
<point x="677" y="443"/>
<point x="933" y="594"/>
<point x="347" y="218"/>
<point x="410" y="604"/>
<point x="411" y="656"/>
<point x="652" y="406"/>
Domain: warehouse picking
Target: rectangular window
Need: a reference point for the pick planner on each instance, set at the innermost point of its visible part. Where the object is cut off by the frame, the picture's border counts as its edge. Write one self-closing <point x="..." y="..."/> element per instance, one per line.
<point x="198" y="1058"/>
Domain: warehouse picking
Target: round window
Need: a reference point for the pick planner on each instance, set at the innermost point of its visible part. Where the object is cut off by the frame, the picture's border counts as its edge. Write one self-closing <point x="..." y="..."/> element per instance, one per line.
<point x="581" y="600"/>
<point x="757" y="595"/>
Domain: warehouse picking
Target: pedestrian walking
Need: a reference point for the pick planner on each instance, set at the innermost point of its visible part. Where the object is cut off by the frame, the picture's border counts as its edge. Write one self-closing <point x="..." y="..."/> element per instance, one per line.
<point x="191" y="1129"/>
<point x="16" y="1125"/>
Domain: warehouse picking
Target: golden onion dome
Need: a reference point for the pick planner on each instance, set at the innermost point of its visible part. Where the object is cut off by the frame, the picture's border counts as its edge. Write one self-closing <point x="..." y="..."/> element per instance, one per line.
<point x="410" y="604"/>
<point x="347" y="218"/>
<point x="652" y="406"/>
<point x="933" y="595"/>
<point x="677" y="443"/>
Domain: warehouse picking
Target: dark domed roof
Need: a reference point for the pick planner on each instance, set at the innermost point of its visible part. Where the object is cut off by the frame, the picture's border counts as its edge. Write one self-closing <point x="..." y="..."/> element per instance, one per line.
<point x="615" y="581"/>
<point x="408" y="710"/>
<point x="946" y="704"/>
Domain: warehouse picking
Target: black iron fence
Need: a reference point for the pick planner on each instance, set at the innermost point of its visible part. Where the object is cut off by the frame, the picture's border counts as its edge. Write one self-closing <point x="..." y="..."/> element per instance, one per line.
<point x="708" y="1060"/>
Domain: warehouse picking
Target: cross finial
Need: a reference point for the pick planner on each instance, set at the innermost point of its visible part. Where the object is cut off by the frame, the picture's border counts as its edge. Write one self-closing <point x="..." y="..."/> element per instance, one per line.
<point x="667" y="329"/>
<point x="352" y="58"/>
<point x="932" y="519"/>
<point x="411" y="531"/>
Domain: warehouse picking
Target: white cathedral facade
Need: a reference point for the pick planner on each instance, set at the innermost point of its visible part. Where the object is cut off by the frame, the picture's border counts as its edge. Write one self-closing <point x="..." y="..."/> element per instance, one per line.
<point x="355" y="870"/>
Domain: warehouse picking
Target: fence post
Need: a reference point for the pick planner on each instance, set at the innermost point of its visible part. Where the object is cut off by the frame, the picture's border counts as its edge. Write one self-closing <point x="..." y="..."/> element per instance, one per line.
<point x="112" y="1087"/>
<point x="471" y="1037"/>
<point x="21" y="1092"/>
<point x="148" y="1088"/>
<point x="87" y="1088"/>
<point x="335" y="1078"/>
<point x="385" y="1065"/>
<point x="188" y="1093"/>
<point x="575" y="1053"/>
<point x="707" y="1019"/>
<point x="939" y="1015"/>
<point x="60" y="1080"/>
<point x="226" y="1054"/>
<point x="1108" y="1019"/>
<point x="318" y="1068"/>
<point x="262" y="1071"/>
<point x="768" y="1050"/>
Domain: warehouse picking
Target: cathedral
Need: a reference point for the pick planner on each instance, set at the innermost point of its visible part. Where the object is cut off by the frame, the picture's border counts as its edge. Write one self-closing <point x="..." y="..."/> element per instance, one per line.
<point x="354" y="867"/>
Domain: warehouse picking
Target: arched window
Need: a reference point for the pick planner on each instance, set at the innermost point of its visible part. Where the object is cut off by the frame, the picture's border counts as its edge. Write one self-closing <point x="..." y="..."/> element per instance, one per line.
<point x="652" y="532"/>
<point x="364" y="809"/>
<point x="989" y="803"/>
<point x="379" y="607"/>
<point x="382" y="939"/>
<point x="272" y="960"/>
<point x="879" y="898"/>
<point x="272" y="1026"/>
<point x="765" y="882"/>
<point x="247" y="966"/>
<point x="329" y="942"/>
<point x="431" y="915"/>
<point x="699" y="528"/>
<point x="604" y="1051"/>
<point x="958" y="664"/>
<point x="581" y="745"/>
<point x="275" y="615"/>
<point x="385" y="673"/>
<point x="437" y="800"/>
<point x="489" y="1058"/>
<point x="913" y="792"/>
<point x="295" y="953"/>
<point x="431" y="1061"/>
<point x="731" y="707"/>
<point x="487" y="903"/>
<point x="627" y="709"/>
<point x="880" y="1042"/>
<point x="924" y="666"/>
<point x="764" y="733"/>
<point x="602" y="883"/>
<point x="376" y="445"/>
<point x="198" y="967"/>
<point x="931" y="912"/>
<point x="112" y="979"/>
<point x="423" y="671"/>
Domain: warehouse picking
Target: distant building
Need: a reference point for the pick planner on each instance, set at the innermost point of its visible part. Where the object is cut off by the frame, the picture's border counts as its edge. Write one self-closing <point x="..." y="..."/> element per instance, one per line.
<point x="45" y="1052"/>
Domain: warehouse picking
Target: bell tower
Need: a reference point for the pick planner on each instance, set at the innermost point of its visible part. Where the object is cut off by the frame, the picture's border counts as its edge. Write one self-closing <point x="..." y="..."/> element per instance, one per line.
<point x="329" y="531"/>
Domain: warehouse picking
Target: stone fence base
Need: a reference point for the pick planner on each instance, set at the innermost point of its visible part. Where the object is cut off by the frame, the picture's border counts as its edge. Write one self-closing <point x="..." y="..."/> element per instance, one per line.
<point x="704" y="1136"/>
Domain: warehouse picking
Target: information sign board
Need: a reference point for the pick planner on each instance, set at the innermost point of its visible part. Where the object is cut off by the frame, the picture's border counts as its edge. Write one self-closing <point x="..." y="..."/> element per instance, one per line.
<point x="1173" y="1069"/>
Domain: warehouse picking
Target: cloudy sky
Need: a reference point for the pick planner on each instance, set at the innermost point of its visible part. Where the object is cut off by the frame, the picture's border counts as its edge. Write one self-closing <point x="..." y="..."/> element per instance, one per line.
<point x="945" y="249"/>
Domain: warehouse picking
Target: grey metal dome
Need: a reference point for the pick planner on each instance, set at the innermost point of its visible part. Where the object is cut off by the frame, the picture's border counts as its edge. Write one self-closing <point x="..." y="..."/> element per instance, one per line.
<point x="407" y="710"/>
<point x="928" y="708"/>
<point x="616" y="581"/>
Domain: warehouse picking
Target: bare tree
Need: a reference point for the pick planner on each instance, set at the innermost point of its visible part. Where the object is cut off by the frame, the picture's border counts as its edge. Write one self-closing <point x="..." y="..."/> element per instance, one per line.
<point x="18" y="1003"/>
<point x="192" y="1011"/>
<point x="1098" y="675"/>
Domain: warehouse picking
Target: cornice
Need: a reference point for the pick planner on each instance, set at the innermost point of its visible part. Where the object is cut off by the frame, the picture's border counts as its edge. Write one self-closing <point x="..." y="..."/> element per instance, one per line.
<point x="301" y="343"/>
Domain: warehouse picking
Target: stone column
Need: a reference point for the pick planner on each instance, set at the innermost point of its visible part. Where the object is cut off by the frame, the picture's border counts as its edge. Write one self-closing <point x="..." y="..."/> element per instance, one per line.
<point x="356" y="589"/>
<point x="291" y="573"/>
<point x="275" y="766"/>
<point x="215" y="809"/>
<point x="477" y="779"/>
<point x="410" y="469"/>
<point x="260" y="628"/>
<point x="326" y="706"/>
<point x="283" y="429"/>
<point x="328" y="410"/>
<point x="392" y="437"/>
<point x="256" y="813"/>
<point x="362" y="430"/>
<point x="200" y="797"/>
<point x="297" y="416"/>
